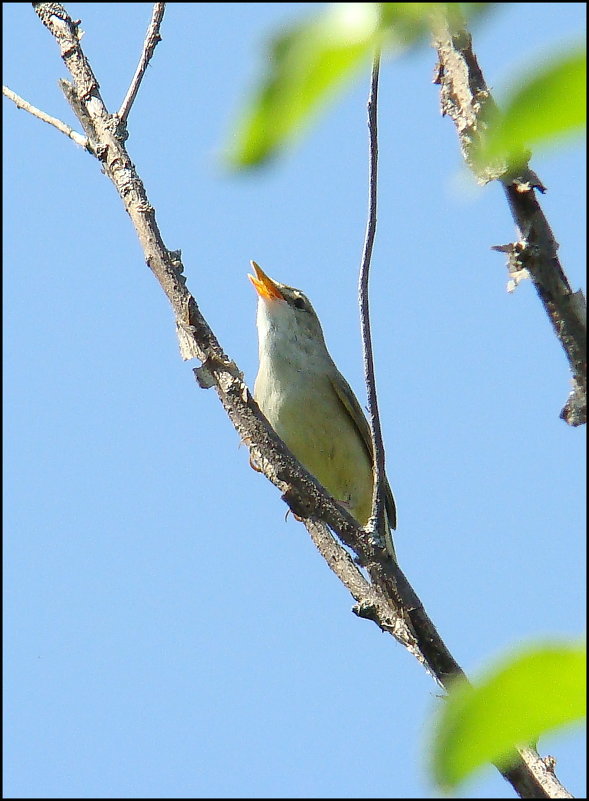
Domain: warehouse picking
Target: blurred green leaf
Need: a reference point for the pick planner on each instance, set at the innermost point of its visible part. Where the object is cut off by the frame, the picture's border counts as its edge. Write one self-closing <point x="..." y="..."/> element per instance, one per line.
<point x="305" y="65"/>
<point x="528" y="694"/>
<point x="550" y="104"/>
<point x="311" y="61"/>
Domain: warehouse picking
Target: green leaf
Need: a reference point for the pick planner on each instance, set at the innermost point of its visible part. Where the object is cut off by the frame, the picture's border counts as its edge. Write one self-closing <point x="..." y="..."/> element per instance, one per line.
<point x="533" y="692"/>
<point x="305" y="66"/>
<point x="311" y="61"/>
<point x="547" y="106"/>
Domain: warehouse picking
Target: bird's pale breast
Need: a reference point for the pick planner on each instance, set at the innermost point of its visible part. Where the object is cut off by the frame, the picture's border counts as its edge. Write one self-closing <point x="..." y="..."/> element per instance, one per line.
<point x="318" y="429"/>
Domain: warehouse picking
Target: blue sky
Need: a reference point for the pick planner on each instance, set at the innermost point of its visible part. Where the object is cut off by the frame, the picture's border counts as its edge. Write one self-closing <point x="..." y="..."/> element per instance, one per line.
<point x="167" y="633"/>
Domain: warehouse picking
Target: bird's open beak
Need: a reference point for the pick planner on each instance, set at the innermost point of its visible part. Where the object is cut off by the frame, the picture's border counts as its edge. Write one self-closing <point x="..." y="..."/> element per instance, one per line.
<point x="264" y="285"/>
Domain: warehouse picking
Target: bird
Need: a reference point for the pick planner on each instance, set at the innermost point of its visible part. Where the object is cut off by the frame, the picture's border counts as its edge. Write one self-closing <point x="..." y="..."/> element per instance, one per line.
<point x="310" y="404"/>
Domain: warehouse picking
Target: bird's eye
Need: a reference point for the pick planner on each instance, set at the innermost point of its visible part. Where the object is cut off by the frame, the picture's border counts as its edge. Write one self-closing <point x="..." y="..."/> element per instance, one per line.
<point x="299" y="303"/>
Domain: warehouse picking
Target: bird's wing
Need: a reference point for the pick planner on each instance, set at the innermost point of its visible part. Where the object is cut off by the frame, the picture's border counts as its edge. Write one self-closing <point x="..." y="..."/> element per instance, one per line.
<point x="350" y="403"/>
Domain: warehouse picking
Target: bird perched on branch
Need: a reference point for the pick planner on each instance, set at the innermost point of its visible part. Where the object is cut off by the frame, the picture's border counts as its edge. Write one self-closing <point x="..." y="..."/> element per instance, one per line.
<point x="310" y="404"/>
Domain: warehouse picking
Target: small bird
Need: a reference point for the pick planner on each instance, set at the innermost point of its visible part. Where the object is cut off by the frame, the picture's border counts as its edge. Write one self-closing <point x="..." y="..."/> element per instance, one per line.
<point x="310" y="404"/>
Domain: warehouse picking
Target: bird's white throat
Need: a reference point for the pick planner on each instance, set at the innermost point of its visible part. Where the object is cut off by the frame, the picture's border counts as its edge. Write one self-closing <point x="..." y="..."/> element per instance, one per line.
<point x="285" y="342"/>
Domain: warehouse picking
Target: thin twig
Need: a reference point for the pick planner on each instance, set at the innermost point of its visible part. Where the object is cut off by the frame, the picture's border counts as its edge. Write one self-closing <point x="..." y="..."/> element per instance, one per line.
<point x="378" y="521"/>
<point x="151" y="41"/>
<point x="83" y="141"/>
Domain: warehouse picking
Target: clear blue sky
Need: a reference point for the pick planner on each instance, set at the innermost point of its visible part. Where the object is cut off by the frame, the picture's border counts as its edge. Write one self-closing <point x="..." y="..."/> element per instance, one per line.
<point x="167" y="632"/>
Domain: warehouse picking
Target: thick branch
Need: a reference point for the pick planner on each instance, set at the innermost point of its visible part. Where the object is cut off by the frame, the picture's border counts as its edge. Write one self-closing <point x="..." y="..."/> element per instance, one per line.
<point x="300" y="490"/>
<point x="465" y="97"/>
<point x="371" y="604"/>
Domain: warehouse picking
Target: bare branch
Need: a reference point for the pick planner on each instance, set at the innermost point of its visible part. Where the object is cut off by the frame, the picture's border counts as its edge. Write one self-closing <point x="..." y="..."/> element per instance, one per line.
<point x="377" y="520"/>
<point x="466" y="98"/>
<point x="152" y="39"/>
<point x="300" y="489"/>
<point x="36" y="112"/>
<point x="371" y="604"/>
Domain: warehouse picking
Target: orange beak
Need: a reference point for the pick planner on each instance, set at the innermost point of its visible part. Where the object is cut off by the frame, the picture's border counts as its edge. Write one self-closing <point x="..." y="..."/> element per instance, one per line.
<point x="264" y="285"/>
